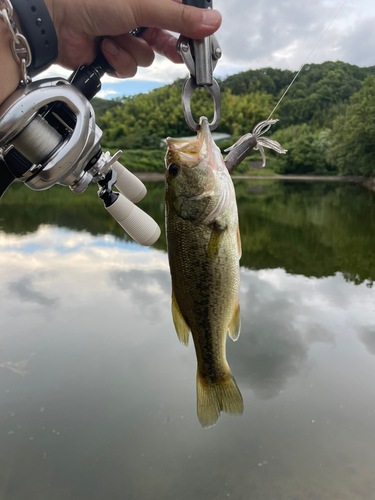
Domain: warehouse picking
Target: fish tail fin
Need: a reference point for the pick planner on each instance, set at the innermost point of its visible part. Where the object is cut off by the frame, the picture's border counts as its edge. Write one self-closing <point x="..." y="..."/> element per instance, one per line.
<point x="214" y="398"/>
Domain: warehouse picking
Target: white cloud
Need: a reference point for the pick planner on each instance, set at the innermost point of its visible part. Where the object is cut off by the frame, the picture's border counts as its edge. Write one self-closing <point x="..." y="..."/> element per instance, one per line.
<point x="105" y="93"/>
<point x="53" y="72"/>
<point x="282" y="34"/>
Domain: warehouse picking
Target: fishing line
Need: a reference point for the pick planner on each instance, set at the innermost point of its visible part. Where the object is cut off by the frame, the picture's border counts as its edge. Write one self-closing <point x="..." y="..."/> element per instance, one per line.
<point x="308" y="57"/>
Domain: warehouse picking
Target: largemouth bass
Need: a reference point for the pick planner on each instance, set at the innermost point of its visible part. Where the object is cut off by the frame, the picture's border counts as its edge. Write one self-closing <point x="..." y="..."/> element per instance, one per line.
<point x="204" y="248"/>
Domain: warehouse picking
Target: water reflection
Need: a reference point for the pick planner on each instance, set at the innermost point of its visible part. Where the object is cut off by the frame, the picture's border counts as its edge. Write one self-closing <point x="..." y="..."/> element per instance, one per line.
<point x="97" y="396"/>
<point x="144" y="287"/>
<point x="284" y="316"/>
<point x="313" y="229"/>
<point x="367" y="336"/>
<point x="26" y="290"/>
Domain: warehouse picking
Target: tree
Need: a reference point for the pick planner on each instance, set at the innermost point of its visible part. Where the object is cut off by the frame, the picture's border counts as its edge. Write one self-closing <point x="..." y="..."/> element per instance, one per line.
<point x="326" y="119"/>
<point x="307" y="151"/>
<point x="353" y="134"/>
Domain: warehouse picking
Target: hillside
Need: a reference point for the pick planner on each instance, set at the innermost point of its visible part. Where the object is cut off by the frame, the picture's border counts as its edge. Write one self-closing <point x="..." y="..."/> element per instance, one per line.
<point x="326" y="119"/>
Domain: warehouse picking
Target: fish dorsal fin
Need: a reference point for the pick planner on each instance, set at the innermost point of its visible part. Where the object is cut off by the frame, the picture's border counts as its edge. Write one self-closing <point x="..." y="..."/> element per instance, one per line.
<point x="239" y="247"/>
<point x="235" y="324"/>
<point x="180" y="325"/>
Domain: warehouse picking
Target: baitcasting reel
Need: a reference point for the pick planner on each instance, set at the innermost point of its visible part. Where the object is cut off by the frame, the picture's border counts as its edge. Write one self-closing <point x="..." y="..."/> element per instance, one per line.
<point x="48" y="136"/>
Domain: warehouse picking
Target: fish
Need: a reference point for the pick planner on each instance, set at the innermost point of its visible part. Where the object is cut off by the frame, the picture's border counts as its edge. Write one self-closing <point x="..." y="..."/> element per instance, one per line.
<point x="204" y="248"/>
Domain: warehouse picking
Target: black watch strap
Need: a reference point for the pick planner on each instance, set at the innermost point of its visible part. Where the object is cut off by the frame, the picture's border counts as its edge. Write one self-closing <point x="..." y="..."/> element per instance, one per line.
<point x="37" y="27"/>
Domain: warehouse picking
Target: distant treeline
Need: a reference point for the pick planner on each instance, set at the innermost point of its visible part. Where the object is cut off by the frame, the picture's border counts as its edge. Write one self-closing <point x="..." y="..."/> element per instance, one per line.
<point x="327" y="119"/>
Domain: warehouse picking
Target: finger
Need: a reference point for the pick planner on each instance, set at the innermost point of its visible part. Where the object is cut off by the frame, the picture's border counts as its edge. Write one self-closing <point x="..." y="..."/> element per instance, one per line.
<point x="170" y="15"/>
<point x="162" y="43"/>
<point x="121" y="61"/>
<point x="120" y="17"/>
<point x="139" y="49"/>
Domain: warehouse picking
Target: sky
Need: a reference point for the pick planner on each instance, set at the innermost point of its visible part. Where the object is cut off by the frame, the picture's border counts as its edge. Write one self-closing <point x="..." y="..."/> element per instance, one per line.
<point x="269" y="33"/>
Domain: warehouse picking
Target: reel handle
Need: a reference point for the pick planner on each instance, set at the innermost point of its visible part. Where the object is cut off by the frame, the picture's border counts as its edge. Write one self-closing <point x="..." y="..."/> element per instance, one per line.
<point x="139" y="225"/>
<point x="128" y="184"/>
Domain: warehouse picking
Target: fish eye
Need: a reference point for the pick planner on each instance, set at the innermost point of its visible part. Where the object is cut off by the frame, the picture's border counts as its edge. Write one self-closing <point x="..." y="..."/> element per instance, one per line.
<point x="173" y="169"/>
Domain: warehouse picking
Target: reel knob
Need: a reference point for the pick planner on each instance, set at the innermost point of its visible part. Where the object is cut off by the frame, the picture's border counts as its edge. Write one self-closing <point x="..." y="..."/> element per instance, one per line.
<point x="128" y="184"/>
<point x="139" y="225"/>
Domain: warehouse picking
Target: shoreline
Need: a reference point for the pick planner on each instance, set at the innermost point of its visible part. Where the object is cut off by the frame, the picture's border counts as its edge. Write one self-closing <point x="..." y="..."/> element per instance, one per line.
<point x="367" y="182"/>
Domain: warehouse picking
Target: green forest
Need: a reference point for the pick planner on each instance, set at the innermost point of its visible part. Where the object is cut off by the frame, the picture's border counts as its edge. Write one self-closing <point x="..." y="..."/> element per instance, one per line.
<point x="326" y="121"/>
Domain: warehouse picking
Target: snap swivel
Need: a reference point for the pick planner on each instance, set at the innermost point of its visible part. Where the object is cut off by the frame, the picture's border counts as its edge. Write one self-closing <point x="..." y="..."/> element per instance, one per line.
<point x="200" y="57"/>
<point x="188" y="89"/>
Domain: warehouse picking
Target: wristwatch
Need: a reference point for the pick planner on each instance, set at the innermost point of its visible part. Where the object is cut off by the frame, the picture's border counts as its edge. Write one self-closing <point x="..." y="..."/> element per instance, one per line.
<point x="37" y="27"/>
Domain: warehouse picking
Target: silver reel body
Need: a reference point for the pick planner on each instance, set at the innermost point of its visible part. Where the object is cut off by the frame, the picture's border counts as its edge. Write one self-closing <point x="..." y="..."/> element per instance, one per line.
<point x="49" y="128"/>
<point x="55" y="159"/>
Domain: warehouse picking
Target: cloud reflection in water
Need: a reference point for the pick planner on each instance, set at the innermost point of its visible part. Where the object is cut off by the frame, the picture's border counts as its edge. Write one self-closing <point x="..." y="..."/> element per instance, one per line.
<point x="114" y="381"/>
<point x="26" y="289"/>
<point x="283" y="316"/>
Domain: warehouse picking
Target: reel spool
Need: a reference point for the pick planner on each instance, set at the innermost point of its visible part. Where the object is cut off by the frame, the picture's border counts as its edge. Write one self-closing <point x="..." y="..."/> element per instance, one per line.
<point x="48" y="136"/>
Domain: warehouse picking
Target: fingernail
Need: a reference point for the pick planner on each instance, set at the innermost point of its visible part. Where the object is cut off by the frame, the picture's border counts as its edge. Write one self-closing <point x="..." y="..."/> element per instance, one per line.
<point x="110" y="47"/>
<point x="211" y="18"/>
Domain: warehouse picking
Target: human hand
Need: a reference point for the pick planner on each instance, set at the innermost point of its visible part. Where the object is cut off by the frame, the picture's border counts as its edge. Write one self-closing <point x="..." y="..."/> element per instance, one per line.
<point x="84" y="25"/>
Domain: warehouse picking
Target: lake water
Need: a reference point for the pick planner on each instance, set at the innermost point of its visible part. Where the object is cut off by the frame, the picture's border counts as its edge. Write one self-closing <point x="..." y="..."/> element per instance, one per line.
<point x="97" y="396"/>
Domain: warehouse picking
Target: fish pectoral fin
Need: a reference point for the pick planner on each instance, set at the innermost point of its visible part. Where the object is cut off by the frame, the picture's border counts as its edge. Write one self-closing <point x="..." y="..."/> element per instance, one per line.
<point x="180" y="324"/>
<point x="215" y="241"/>
<point x="239" y="246"/>
<point x="235" y="324"/>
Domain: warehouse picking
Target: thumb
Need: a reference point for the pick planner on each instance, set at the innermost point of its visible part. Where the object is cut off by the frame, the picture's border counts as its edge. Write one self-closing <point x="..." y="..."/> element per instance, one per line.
<point x="172" y="15"/>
